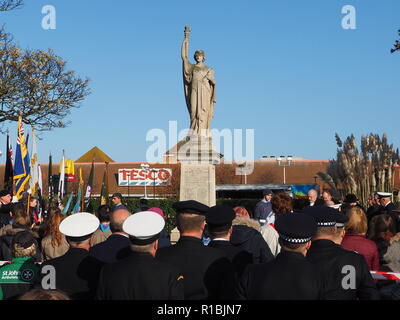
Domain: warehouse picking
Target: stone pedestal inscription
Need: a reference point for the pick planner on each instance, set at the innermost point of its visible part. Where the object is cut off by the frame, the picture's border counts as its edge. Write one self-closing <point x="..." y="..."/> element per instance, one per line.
<point x="198" y="183"/>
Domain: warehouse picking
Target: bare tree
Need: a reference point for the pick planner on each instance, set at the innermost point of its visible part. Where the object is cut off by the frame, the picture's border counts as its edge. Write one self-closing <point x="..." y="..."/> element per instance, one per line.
<point x="396" y="45"/>
<point x="7" y="5"/>
<point x="36" y="84"/>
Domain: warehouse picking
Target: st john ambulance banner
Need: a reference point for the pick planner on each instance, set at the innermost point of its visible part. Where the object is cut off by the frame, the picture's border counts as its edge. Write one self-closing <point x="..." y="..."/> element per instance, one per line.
<point x="141" y="177"/>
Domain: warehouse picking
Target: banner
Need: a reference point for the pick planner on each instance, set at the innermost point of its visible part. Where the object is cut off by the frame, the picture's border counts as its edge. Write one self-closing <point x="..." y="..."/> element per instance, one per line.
<point x="301" y="191"/>
<point x="141" y="177"/>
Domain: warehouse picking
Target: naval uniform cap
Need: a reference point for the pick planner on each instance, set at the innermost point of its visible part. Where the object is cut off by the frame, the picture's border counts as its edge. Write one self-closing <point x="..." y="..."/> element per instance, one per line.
<point x="384" y="194"/>
<point x="190" y="206"/>
<point x="143" y="227"/>
<point x="79" y="226"/>
<point x="296" y="228"/>
<point x="220" y="217"/>
<point x="323" y="215"/>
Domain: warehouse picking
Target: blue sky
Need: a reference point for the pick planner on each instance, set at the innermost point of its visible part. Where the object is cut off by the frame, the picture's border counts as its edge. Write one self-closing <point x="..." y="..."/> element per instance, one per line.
<point x="286" y="69"/>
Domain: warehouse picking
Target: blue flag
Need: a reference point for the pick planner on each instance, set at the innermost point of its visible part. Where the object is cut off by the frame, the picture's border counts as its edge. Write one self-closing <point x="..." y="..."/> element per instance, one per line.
<point x="65" y="211"/>
<point x="22" y="171"/>
<point x="78" y="202"/>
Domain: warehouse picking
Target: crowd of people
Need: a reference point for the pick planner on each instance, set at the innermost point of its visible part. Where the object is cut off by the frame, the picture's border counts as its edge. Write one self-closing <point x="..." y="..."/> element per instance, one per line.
<point x="315" y="248"/>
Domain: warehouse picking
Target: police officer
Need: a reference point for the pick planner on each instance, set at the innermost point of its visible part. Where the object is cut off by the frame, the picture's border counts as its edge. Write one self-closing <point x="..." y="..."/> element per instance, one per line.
<point x="140" y="275"/>
<point x="76" y="273"/>
<point x="345" y="274"/>
<point x="207" y="272"/>
<point x="263" y="208"/>
<point x="290" y="276"/>
<point x="219" y="225"/>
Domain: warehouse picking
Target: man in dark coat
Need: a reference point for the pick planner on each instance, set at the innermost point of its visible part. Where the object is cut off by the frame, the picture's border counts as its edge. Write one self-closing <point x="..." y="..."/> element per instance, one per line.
<point x="207" y="272"/>
<point x="140" y="276"/>
<point x="345" y="273"/>
<point x="117" y="246"/>
<point x="374" y="206"/>
<point x="5" y="207"/>
<point x="219" y="225"/>
<point x="290" y="276"/>
<point x="264" y="207"/>
<point x="76" y="271"/>
<point x="387" y="207"/>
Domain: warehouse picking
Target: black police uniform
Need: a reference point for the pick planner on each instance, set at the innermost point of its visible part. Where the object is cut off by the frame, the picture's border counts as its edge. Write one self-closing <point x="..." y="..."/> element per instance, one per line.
<point x="335" y="266"/>
<point x="290" y="276"/>
<point x="77" y="273"/>
<point x="239" y="258"/>
<point x="140" y="277"/>
<point x="207" y="272"/>
<point x="344" y="273"/>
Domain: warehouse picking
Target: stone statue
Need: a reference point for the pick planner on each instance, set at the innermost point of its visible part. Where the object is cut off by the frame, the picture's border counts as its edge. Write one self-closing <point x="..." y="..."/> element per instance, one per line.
<point x="199" y="86"/>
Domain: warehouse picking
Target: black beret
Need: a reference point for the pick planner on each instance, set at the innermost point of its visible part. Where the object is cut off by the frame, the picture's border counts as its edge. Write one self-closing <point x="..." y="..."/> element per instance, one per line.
<point x="220" y="217"/>
<point x="4" y="193"/>
<point x="190" y="206"/>
<point x="296" y="227"/>
<point x="23" y="239"/>
<point x="325" y="216"/>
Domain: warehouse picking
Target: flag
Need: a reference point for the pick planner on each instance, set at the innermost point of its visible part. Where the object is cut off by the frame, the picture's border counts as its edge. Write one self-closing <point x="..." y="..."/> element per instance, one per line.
<point x="40" y="206"/>
<point x="8" y="174"/>
<point x="50" y="178"/>
<point x="301" y="191"/>
<point x="89" y="186"/>
<point x="77" y="206"/>
<point x="65" y="211"/>
<point x="61" y="180"/>
<point x="70" y="170"/>
<point x="22" y="164"/>
<point x="34" y="181"/>
<point x="104" y="188"/>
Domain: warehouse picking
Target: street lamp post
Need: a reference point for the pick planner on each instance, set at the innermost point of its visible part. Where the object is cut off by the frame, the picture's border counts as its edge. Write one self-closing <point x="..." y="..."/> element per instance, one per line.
<point x="145" y="167"/>
<point x="284" y="162"/>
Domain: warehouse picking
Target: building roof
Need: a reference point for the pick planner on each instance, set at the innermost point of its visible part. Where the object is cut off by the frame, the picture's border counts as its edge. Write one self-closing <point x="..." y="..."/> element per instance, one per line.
<point x="96" y="155"/>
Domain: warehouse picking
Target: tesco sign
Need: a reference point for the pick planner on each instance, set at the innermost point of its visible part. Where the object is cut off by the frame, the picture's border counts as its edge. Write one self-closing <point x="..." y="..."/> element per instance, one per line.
<point x="141" y="177"/>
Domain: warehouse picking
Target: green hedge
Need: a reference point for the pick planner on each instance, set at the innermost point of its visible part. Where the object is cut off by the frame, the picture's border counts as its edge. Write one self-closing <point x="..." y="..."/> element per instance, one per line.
<point x="166" y="206"/>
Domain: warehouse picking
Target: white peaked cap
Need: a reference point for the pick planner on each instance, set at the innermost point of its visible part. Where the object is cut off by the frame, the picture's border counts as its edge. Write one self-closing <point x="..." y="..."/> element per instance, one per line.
<point x="79" y="224"/>
<point x="384" y="194"/>
<point x="144" y="227"/>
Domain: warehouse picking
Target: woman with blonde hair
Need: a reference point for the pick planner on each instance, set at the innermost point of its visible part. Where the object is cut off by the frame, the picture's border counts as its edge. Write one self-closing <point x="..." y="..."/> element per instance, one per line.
<point x="355" y="237"/>
<point x="54" y="243"/>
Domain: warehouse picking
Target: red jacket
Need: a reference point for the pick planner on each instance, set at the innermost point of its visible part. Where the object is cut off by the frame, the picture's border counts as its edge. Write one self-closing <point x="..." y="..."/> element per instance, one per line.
<point x="363" y="246"/>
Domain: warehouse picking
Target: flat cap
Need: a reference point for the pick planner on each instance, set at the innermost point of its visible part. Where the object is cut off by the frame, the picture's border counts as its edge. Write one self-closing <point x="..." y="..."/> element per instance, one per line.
<point x="220" y="217"/>
<point x="144" y="227"/>
<point x="23" y="239"/>
<point x="384" y="194"/>
<point x="296" y="227"/>
<point x="117" y="195"/>
<point x="325" y="216"/>
<point x="190" y="206"/>
<point x="79" y="226"/>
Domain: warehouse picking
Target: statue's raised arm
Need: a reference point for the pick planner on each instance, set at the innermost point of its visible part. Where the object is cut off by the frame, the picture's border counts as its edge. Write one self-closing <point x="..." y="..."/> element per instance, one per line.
<point x="185" y="43"/>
